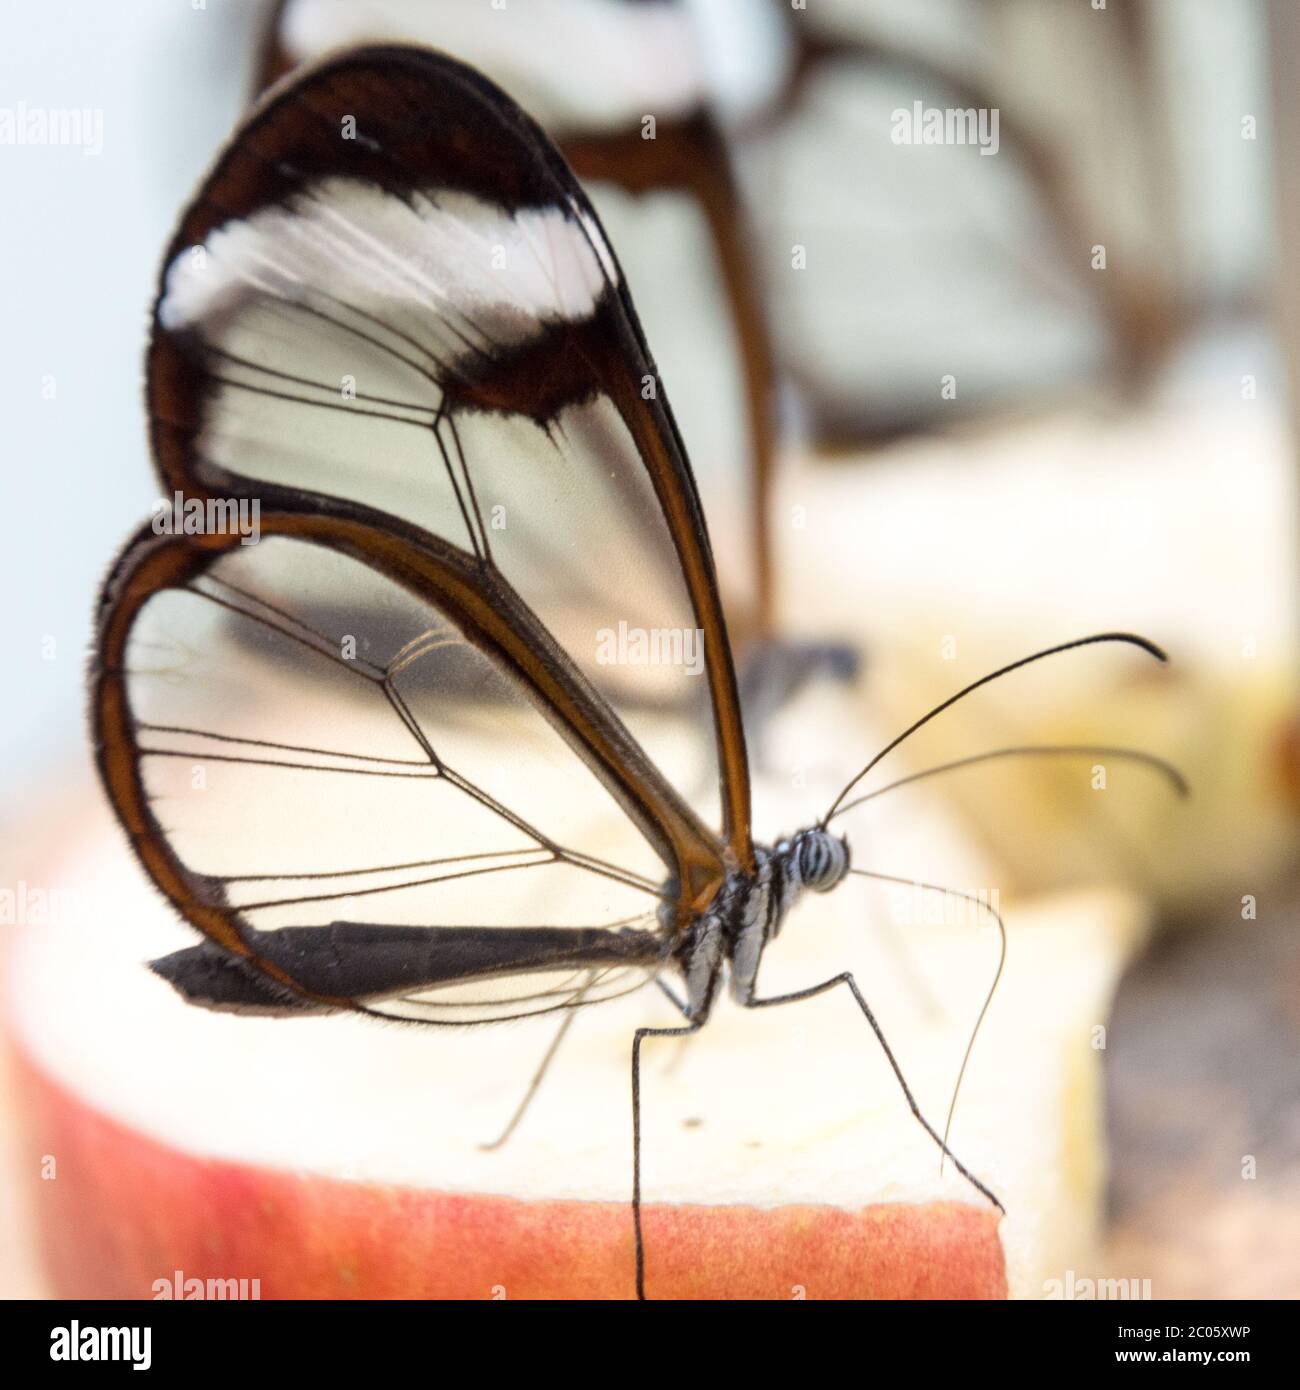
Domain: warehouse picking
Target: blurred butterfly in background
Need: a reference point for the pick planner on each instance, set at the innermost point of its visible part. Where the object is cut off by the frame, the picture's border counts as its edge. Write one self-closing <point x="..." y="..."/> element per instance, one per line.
<point x="434" y="613"/>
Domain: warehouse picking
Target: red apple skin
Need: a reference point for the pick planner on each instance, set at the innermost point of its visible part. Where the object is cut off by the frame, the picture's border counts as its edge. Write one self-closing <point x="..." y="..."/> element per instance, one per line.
<point x="125" y="1210"/>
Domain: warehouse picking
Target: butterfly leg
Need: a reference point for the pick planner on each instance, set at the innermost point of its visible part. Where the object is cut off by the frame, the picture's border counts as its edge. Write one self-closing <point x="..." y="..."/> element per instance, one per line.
<point x="642" y="1033"/>
<point x="512" y="1124"/>
<point x="847" y="979"/>
<point x="676" y="1060"/>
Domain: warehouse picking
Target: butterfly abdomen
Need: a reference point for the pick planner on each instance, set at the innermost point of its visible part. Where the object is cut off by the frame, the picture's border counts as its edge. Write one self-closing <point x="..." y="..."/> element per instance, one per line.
<point x="364" y="963"/>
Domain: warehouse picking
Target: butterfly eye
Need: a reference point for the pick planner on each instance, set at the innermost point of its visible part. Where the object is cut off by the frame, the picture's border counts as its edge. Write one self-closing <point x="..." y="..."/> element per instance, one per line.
<point x="822" y="858"/>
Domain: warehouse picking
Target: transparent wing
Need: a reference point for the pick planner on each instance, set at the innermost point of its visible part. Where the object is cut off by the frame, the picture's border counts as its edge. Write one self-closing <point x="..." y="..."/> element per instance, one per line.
<point x="518" y="996"/>
<point x="422" y="761"/>
<point x="391" y="292"/>
<point x="590" y="72"/>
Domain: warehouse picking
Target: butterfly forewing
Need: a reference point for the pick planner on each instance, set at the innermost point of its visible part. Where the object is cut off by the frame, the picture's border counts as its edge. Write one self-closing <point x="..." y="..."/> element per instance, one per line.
<point x="632" y="107"/>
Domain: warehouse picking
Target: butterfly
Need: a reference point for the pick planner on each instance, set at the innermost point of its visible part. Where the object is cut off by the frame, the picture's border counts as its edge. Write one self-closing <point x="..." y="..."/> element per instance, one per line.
<point x="415" y="696"/>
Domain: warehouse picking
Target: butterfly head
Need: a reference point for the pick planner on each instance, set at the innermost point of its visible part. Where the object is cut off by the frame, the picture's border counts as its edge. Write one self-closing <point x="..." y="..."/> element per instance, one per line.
<point x="811" y="858"/>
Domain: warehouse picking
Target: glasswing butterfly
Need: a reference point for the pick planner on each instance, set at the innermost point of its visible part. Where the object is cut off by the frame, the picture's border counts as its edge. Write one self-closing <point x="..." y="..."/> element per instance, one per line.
<point x="390" y="330"/>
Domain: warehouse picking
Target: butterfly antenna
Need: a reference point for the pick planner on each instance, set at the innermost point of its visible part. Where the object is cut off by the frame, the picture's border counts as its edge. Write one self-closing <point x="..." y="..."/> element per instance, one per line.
<point x="988" y="998"/>
<point x="1132" y="639"/>
<point x="1095" y="750"/>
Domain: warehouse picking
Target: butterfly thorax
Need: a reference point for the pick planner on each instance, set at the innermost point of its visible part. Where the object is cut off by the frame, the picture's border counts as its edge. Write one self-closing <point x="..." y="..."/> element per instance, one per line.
<point x="750" y="909"/>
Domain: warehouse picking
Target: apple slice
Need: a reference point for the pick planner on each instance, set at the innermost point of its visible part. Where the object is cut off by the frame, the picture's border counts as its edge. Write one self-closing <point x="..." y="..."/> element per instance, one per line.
<point x="332" y="1157"/>
<point x="127" y="1213"/>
